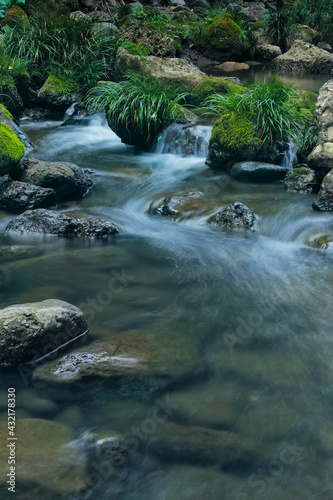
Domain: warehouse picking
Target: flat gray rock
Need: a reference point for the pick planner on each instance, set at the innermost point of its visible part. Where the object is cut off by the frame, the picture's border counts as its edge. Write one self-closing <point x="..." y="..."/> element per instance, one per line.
<point x="258" y="171"/>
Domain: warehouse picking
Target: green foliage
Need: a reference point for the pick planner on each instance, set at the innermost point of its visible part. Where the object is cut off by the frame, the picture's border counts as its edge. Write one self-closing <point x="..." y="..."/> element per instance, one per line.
<point x="135" y="49"/>
<point x="6" y="112"/>
<point x="315" y="13"/>
<point x="63" y="46"/>
<point x="139" y="102"/>
<point x="10" y="69"/>
<point x="7" y="4"/>
<point x="271" y="107"/>
<point x="278" y="25"/>
<point x="235" y="132"/>
<point x="11" y="148"/>
<point x="15" y="16"/>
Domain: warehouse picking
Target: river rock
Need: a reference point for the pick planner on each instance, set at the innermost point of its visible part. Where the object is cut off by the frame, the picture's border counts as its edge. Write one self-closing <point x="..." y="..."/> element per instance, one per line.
<point x="45" y="457"/>
<point x="321" y="158"/>
<point x="55" y="93"/>
<point x="234" y="216"/>
<point x="68" y="180"/>
<point x="267" y="52"/>
<point x="302" y="179"/>
<point x="51" y="222"/>
<point x="18" y="196"/>
<point x="133" y="355"/>
<point x="232" y="66"/>
<point x="29" y="331"/>
<point x="7" y="119"/>
<point x="200" y="445"/>
<point x="325" y="46"/>
<point x="180" y="205"/>
<point x="258" y="172"/>
<point x="9" y="253"/>
<point x="324" y="202"/>
<point x="303" y="56"/>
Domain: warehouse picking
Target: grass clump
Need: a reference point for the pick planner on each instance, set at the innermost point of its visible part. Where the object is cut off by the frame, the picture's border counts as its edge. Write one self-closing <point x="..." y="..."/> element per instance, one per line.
<point x="139" y="104"/>
<point x="270" y="105"/>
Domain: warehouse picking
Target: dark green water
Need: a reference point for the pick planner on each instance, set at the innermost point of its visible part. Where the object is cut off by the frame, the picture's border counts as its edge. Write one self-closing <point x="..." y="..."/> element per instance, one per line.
<point x="258" y="307"/>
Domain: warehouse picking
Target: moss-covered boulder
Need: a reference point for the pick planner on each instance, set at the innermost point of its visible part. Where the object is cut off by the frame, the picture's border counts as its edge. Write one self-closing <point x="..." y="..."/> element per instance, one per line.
<point x="234" y="139"/>
<point x="152" y="30"/>
<point x="15" y="17"/>
<point x="7" y="119"/>
<point x="176" y="73"/>
<point x="60" y="92"/>
<point x="302" y="179"/>
<point x="11" y="149"/>
<point x="221" y="39"/>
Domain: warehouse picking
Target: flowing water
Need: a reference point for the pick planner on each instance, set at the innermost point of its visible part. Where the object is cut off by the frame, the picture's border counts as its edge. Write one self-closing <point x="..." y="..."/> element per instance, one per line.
<point x="258" y="306"/>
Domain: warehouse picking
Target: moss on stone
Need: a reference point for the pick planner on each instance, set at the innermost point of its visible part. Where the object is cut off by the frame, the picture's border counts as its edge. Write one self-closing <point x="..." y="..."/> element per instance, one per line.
<point x="135" y="49"/>
<point x="234" y="133"/>
<point x="60" y="86"/>
<point x="11" y="148"/>
<point x="307" y="100"/>
<point x="296" y="173"/>
<point x="6" y="112"/>
<point x="15" y="17"/>
<point x="221" y="33"/>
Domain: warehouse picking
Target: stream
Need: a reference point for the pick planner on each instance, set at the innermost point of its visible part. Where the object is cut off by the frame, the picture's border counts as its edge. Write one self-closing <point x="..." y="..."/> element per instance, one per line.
<point x="258" y="306"/>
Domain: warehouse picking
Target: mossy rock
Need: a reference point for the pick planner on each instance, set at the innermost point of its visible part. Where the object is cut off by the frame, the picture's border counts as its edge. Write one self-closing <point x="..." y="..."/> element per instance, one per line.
<point x="11" y="149"/>
<point x="233" y="138"/>
<point x="16" y="17"/>
<point x="307" y="100"/>
<point x="135" y="49"/>
<point x="59" y="91"/>
<point x="220" y="38"/>
<point x="7" y="113"/>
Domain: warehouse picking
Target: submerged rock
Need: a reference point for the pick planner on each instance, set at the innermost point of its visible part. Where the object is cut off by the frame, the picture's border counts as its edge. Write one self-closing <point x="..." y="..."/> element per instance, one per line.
<point x="302" y="179"/>
<point x="303" y="56"/>
<point x="46" y="456"/>
<point x="15" y="252"/>
<point x="232" y="66"/>
<point x="180" y="205"/>
<point x="134" y="354"/>
<point x="29" y="331"/>
<point x="67" y="179"/>
<point x="321" y="158"/>
<point x="258" y="171"/>
<point x="51" y="222"/>
<point x="201" y="445"/>
<point x="234" y="216"/>
<point x="18" y="196"/>
<point x="324" y="202"/>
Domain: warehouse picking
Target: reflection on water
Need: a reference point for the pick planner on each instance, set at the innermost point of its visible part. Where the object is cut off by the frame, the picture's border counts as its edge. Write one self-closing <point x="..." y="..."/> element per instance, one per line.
<point x="258" y="308"/>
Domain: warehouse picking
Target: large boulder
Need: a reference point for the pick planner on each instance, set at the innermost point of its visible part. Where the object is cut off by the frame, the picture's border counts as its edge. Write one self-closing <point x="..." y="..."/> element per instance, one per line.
<point x="234" y="216"/>
<point x="11" y="149"/>
<point x="139" y="355"/>
<point x="258" y="172"/>
<point x="6" y="118"/>
<point x="50" y="222"/>
<point x="178" y="206"/>
<point x="176" y="73"/>
<point x="303" y="56"/>
<point x="233" y="140"/>
<point x="68" y="180"/>
<point x="302" y="179"/>
<point x="324" y="202"/>
<point x="47" y="459"/>
<point x="60" y="93"/>
<point x="29" y="331"/>
<point x="321" y="158"/>
<point x="18" y="196"/>
<point x="221" y="39"/>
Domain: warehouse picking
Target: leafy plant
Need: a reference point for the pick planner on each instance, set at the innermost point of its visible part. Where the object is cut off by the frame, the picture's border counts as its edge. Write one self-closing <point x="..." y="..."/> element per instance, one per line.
<point x="317" y="14"/>
<point x="61" y="45"/>
<point x="270" y="105"/>
<point x="139" y="103"/>
<point x="10" y="69"/>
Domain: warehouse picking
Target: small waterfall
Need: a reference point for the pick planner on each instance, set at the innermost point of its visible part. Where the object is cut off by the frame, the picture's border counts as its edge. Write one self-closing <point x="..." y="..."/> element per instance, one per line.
<point x="185" y="140"/>
<point x="290" y="156"/>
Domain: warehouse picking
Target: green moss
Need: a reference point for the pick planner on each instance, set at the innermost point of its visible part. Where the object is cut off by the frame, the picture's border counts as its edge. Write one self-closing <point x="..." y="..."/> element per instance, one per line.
<point x="296" y="173"/>
<point x="7" y="113"/>
<point x="235" y="133"/>
<point x="15" y="17"/>
<point x="11" y="148"/>
<point x="223" y="34"/>
<point x="135" y="49"/>
<point x="60" y="86"/>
